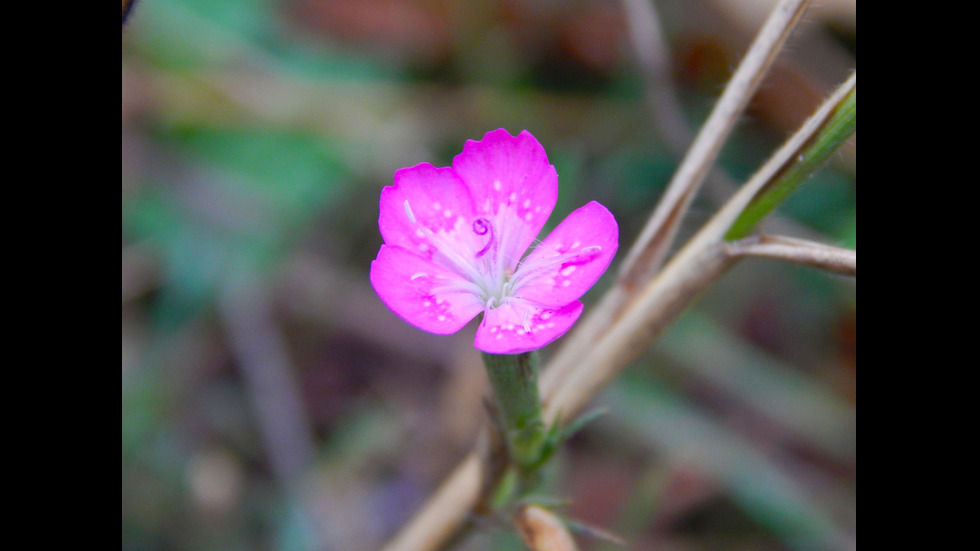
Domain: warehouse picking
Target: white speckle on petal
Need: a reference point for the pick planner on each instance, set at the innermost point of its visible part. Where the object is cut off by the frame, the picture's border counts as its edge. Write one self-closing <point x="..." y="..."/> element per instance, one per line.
<point x="441" y="317"/>
<point x="527" y="203"/>
<point x="496" y="185"/>
<point x="528" y="216"/>
<point x="567" y="270"/>
<point x="513" y="197"/>
<point x="566" y="283"/>
<point x="447" y="213"/>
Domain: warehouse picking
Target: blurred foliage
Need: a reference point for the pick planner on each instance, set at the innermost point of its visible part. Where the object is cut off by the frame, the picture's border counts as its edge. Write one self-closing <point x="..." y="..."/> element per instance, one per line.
<point x="257" y="136"/>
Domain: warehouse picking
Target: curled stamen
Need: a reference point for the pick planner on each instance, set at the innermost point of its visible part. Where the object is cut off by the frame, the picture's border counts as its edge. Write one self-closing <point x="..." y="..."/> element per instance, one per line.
<point x="482" y="226"/>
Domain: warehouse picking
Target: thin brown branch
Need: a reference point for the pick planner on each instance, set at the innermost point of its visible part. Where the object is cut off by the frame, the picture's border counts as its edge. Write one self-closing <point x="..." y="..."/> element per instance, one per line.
<point x="652" y="53"/>
<point x="568" y="386"/>
<point x="647" y="254"/>
<point x="445" y="511"/>
<point x="571" y="378"/>
<point x="653" y="61"/>
<point x="817" y="255"/>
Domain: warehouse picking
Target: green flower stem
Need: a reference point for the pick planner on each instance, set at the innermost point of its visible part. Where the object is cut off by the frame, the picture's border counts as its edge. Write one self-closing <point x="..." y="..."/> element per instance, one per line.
<point x="514" y="380"/>
<point x="837" y="129"/>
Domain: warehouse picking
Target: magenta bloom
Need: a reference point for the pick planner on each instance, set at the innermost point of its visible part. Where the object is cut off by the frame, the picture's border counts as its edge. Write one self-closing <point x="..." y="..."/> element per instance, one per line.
<point x="455" y="240"/>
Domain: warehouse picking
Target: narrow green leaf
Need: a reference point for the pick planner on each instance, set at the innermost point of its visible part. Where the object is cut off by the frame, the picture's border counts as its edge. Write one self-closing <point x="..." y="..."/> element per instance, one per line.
<point x="839" y="127"/>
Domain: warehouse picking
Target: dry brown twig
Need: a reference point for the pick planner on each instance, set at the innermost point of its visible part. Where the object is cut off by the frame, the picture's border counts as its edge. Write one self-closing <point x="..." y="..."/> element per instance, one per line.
<point x="648" y="252"/>
<point x="808" y="253"/>
<point x="702" y="260"/>
<point x="650" y="248"/>
<point x="636" y="310"/>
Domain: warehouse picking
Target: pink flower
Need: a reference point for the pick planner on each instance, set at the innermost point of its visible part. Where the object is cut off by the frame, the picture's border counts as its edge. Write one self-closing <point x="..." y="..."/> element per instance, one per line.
<point x="455" y="240"/>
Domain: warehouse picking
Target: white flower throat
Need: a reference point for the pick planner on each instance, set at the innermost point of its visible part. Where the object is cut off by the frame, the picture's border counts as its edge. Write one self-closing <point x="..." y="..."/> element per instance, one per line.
<point x="490" y="273"/>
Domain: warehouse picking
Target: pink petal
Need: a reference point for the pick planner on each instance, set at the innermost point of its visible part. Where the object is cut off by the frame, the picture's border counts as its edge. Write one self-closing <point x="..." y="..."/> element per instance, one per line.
<point x="437" y="199"/>
<point x="512" y="184"/>
<point x="423" y="293"/>
<point x="571" y="259"/>
<point x="519" y="327"/>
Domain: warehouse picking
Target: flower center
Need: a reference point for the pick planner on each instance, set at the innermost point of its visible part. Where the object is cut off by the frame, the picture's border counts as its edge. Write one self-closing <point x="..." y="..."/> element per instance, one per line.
<point x="495" y="280"/>
<point x="490" y="273"/>
<point x="484" y="274"/>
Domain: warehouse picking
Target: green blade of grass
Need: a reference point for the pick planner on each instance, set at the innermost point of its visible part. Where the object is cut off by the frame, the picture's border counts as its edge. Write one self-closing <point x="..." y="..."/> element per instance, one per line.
<point x="837" y="129"/>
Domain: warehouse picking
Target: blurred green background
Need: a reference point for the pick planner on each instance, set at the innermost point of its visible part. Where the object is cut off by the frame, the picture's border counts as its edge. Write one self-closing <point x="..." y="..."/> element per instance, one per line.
<point x="270" y="401"/>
